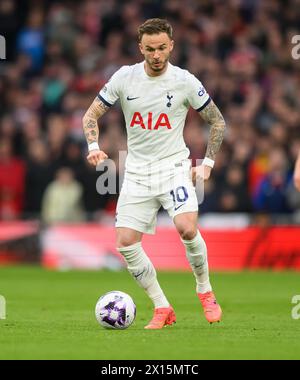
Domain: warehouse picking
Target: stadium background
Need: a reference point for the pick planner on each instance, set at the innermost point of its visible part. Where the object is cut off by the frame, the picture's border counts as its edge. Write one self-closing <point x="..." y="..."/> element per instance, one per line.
<point x="59" y="55"/>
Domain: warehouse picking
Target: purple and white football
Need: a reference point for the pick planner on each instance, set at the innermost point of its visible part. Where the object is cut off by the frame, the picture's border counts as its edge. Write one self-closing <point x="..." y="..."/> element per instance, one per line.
<point x="115" y="310"/>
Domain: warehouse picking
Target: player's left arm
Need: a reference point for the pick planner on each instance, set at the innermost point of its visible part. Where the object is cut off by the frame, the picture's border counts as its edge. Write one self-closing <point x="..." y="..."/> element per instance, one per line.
<point x="213" y="117"/>
<point x="297" y="173"/>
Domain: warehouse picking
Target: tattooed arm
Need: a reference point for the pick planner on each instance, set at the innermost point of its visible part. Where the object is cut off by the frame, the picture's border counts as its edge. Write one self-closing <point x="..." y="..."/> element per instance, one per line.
<point x="91" y="131"/>
<point x="212" y="115"/>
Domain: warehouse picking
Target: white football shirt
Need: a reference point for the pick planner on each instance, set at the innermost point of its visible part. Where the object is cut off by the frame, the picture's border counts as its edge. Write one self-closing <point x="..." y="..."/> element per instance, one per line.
<point x="155" y="110"/>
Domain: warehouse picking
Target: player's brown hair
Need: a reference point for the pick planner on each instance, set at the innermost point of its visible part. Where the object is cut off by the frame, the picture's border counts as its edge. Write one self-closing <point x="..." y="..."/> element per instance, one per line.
<point x="155" y="26"/>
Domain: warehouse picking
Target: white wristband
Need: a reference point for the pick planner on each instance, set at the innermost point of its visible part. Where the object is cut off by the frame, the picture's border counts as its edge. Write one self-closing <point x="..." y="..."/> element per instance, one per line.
<point x="208" y="162"/>
<point x="93" y="146"/>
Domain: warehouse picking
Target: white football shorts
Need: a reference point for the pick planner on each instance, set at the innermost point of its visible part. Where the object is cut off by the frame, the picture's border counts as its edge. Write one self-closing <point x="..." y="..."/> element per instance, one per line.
<point x="142" y="196"/>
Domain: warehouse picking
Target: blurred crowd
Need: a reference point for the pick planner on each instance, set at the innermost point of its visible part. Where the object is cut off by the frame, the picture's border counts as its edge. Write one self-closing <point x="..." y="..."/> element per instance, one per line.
<point x="61" y="53"/>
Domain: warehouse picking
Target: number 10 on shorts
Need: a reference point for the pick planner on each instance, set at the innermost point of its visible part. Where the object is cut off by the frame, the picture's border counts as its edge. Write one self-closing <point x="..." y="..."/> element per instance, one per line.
<point x="180" y="195"/>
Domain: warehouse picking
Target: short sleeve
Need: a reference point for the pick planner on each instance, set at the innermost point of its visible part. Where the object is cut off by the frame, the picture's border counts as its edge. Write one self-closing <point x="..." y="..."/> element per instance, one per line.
<point x="197" y="95"/>
<point x="110" y="92"/>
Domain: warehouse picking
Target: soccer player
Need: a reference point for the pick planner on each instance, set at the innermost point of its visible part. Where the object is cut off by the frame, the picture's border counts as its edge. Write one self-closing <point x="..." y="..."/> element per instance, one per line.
<point x="155" y="97"/>
<point x="297" y="173"/>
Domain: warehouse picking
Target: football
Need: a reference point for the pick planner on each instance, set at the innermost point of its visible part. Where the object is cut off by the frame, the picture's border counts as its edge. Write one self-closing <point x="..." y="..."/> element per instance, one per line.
<point x="115" y="310"/>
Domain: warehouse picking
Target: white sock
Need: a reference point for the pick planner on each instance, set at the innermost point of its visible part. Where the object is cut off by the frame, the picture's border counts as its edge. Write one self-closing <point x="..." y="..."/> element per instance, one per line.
<point x="143" y="271"/>
<point x="196" y="253"/>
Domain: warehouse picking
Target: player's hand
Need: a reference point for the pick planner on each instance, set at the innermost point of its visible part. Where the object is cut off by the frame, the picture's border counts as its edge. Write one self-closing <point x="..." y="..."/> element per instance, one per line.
<point x="96" y="157"/>
<point x="200" y="172"/>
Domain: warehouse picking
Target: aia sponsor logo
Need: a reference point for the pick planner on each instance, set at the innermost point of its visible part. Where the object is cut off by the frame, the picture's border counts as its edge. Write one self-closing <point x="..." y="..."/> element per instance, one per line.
<point x="149" y="123"/>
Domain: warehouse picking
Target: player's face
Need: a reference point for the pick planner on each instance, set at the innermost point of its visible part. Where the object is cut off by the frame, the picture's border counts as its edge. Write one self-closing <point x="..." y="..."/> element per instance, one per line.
<point x="156" y="49"/>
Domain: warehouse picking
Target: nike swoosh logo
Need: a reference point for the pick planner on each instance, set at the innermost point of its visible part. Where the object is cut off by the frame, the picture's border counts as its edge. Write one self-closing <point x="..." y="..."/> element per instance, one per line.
<point x="139" y="274"/>
<point x="128" y="98"/>
<point x="176" y="208"/>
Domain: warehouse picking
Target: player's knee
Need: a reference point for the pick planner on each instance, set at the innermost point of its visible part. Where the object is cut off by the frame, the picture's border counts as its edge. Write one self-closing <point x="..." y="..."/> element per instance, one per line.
<point x="125" y="242"/>
<point x="127" y="237"/>
<point x="187" y="232"/>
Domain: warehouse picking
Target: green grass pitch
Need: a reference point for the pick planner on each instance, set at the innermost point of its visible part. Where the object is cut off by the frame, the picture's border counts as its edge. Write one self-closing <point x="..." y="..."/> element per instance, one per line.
<point x="50" y="315"/>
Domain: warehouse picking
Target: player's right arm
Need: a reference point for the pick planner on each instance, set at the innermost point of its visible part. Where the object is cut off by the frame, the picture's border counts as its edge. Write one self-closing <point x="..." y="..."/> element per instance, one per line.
<point x="297" y="173"/>
<point x="91" y="131"/>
